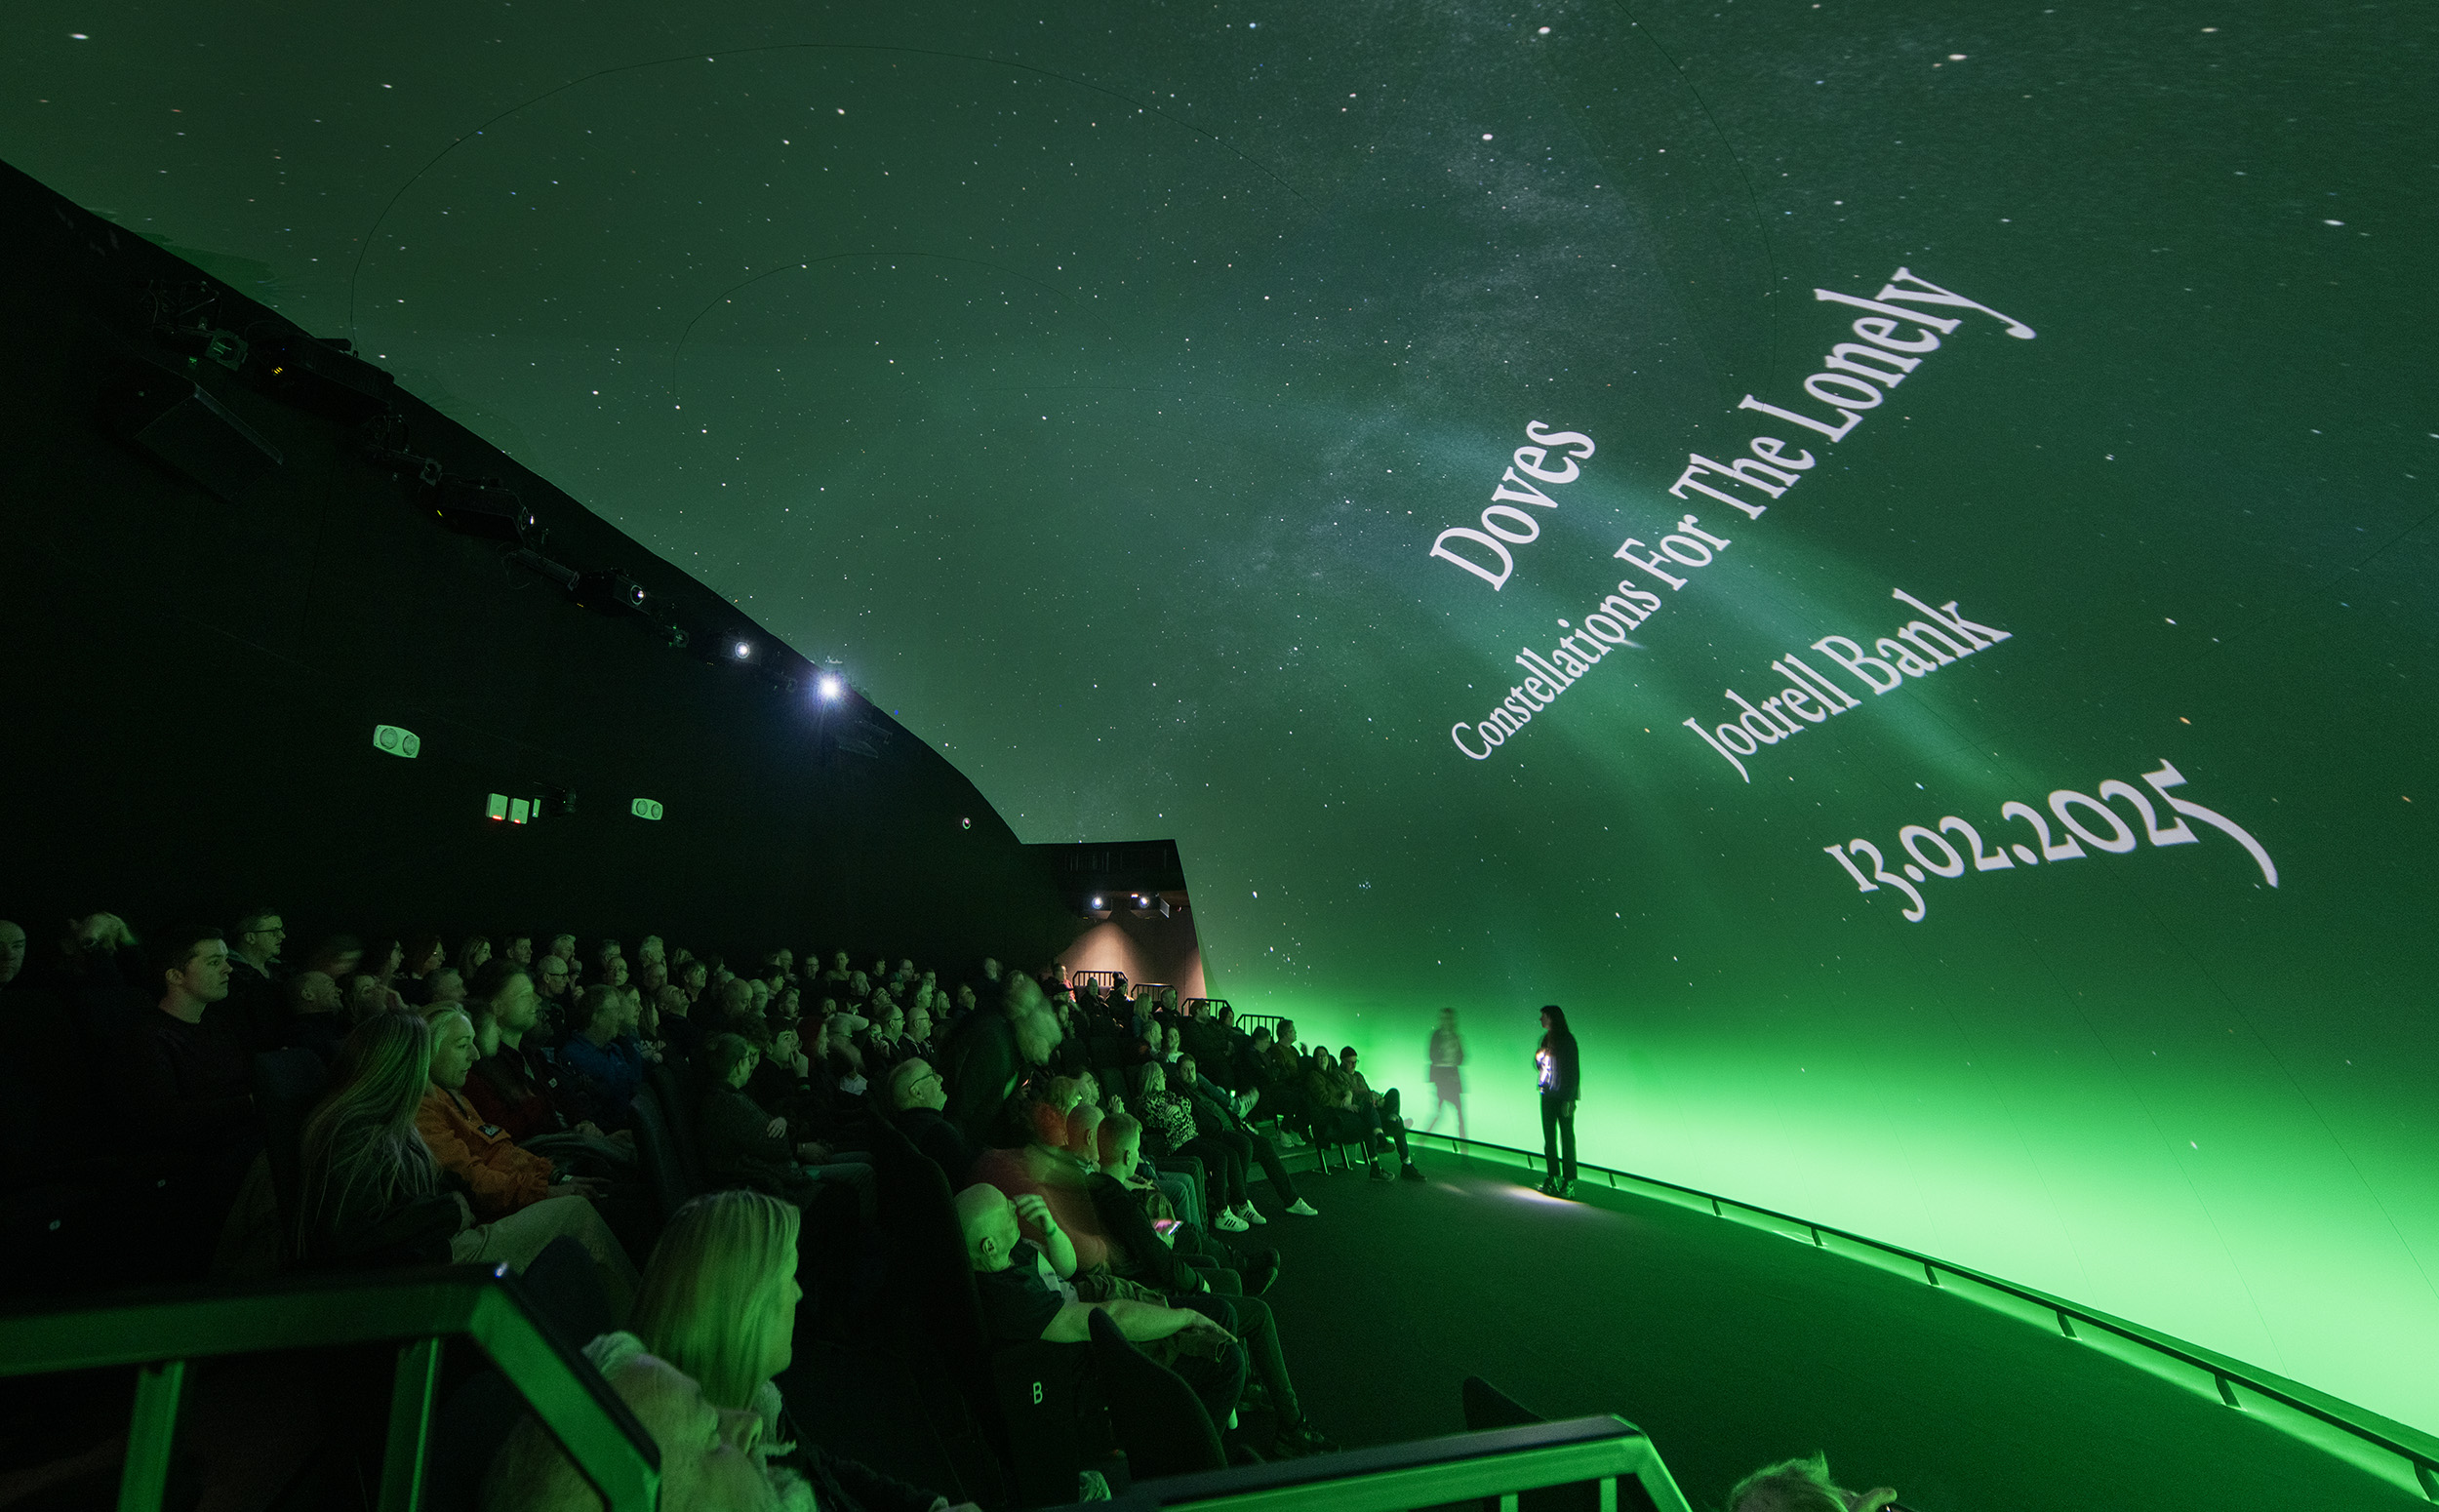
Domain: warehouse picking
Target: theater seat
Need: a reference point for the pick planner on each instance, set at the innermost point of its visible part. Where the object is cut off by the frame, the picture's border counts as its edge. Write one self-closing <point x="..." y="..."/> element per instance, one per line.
<point x="680" y="1110"/>
<point x="656" y="1150"/>
<point x="286" y="1084"/>
<point x="1162" y="1425"/>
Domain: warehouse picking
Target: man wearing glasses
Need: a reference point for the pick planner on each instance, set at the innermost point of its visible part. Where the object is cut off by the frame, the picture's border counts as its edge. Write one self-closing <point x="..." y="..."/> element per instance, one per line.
<point x="551" y="983"/>
<point x="916" y="1096"/>
<point x="251" y="1010"/>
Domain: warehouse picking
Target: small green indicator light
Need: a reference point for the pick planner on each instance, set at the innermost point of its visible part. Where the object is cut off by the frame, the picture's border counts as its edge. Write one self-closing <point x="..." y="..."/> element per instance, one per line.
<point x="645" y="808"/>
<point x="397" y="741"/>
<point x="519" y="811"/>
<point x="497" y="808"/>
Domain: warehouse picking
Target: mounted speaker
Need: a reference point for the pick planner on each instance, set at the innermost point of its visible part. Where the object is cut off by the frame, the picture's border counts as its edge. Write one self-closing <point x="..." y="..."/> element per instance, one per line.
<point x="167" y="414"/>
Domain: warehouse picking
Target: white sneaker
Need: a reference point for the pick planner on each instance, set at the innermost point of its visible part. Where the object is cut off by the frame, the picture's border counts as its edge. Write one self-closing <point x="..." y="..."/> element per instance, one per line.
<point x="1251" y="1215"/>
<point x="1304" y="1209"/>
<point x="1229" y="1222"/>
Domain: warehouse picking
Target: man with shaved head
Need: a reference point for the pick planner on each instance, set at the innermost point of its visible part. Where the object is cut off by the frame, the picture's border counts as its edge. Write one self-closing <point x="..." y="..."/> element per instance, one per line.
<point x="1028" y="1296"/>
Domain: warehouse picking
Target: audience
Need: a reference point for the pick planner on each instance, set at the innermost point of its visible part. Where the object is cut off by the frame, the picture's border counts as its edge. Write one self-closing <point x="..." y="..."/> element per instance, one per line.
<point x="501" y="1179"/>
<point x="1376" y="1113"/>
<point x="371" y="1189"/>
<point x="477" y="1088"/>
<point x="602" y="1057"/>
<point x="313" y="1021"/>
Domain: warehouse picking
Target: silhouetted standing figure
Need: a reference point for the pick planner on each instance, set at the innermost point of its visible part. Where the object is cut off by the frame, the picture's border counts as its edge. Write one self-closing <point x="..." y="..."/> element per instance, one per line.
<point x="1448" y="1080"/>
<point x="1561" y="1081"/>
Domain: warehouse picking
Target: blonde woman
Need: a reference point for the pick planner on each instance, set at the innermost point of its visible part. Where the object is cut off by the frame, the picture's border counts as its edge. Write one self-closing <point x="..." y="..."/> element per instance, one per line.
<point x="719" y="1302"/>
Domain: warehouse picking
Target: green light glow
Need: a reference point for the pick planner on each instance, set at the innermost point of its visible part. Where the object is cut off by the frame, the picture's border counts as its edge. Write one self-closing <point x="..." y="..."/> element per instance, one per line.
<point x="1099" y="394"/>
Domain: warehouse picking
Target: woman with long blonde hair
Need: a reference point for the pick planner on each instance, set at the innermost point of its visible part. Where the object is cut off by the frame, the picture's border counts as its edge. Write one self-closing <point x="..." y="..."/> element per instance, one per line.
<point x="719" y="1302"/>
<point x="369" y="1185"/>
<point x="371" y="1193"/>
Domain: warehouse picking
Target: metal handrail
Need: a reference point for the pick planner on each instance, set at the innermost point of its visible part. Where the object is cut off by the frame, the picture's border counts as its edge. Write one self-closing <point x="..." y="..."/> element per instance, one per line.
<point x="2419" y="1450"/>
<point x="160" y="1332"/>
<point x="1501" y="1463"/>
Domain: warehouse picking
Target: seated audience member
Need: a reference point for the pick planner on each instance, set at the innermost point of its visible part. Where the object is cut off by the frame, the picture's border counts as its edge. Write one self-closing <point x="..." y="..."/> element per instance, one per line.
<point x="718" y="1301"/>
<point x="444" y="985"/>
<point x="1215" y="1266"/>
<point x="312" y="1021"/>
<point x="253" y="1005"/>
<point x="1331" y="1094"/>
<point x="1170" y="1131"/>
<point x="986" y="1058"/>
<point x="741" y="1146"/>
<point x="1803" y="1486"/>
<point x="707" y="1455"/>
<point x="1027" y="1295"/>
<point x="1116" y="1242"/>
<point x="372" y="1192"/>
<point x="916" y="1096"/>
<point x="674" y="1022"/>
<point x="473" y="956"/>
<point x="1217" y="1119"/>
<point x="600" y="1062"/>
<point x="555" y="999"/>
<point x="510" y="1086"/>
<point x="517" y="950"/>
<point x="502" y="1177"/>
<point x="190" y="1087"/>
<point x="1380" y="1116"/>
<point x="425" y="955"/>
<point x="1278" y="1078"/>
<point x="336" y="957"/>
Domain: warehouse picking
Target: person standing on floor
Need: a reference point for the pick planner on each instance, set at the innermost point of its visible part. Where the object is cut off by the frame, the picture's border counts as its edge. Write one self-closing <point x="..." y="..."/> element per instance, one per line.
<point x="1448" y="1081"/>
<point x="1561" y="1083"/>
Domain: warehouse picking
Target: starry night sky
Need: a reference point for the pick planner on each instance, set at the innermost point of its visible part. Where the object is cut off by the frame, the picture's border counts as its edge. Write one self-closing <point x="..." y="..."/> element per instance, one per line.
<point x="1093" y="381"/>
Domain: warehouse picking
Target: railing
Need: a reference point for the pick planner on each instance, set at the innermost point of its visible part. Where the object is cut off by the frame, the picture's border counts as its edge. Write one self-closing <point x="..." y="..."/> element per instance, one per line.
<point x="1203" y="1008"/>
<point x="2357" y="1428"/>
<point x="161" y="1331"/>
<point x="1104" y="980"/>
<point x="1501" y="1463"/>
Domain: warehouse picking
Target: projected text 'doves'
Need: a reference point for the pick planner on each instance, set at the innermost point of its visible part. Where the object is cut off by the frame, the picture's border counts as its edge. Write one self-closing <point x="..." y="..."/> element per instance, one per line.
<point x="1504" y="523"/>
<point x="2086" y="818"/>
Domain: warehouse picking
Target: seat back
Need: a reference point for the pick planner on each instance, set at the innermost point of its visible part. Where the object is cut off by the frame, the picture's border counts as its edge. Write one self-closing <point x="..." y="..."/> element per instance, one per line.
<point x="1161" y="1423"/>
<point x="656" y="1152"/>
<point x="680" y="1110"/>
<point x="286" y="1084"/>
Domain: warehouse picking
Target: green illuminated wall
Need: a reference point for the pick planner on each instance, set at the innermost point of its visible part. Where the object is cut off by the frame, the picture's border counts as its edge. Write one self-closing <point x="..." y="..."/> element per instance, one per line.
<point x="1097" y="385"/>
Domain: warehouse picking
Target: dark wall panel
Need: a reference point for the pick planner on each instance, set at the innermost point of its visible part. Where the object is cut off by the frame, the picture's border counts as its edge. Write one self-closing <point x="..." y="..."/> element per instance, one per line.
<point x="192" y="684"/>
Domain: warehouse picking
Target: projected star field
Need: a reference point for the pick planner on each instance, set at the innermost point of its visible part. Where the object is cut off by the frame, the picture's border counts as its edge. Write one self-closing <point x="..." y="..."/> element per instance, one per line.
<point x="1884" y="559"/>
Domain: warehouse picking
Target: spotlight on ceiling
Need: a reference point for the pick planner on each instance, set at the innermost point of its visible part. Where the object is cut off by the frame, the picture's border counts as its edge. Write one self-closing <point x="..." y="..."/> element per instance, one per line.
<point x="1096" y="902"/>
<point x="742" y="650"/>
<point x="832" y="686"/>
